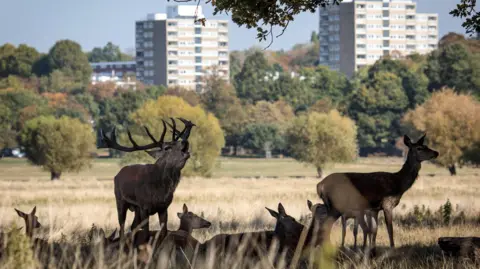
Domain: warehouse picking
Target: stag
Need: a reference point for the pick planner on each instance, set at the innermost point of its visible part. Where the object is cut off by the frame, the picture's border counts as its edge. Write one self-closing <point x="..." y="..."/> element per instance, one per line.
<point x="148" y="189"/>
<point x="354" y="194"/>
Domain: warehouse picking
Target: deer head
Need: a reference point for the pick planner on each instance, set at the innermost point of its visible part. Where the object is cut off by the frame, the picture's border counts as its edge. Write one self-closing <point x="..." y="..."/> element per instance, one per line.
<point x="418" y="151"/>
<point x="172" y="154"/>
<point x="31" y="221"/>
<point x="287" y="226"/>
<point x="189" y="220"/>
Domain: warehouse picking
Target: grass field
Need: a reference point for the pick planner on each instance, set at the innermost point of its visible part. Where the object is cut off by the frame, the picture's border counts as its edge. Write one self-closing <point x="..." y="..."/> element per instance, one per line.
<point x="235" y="199"/>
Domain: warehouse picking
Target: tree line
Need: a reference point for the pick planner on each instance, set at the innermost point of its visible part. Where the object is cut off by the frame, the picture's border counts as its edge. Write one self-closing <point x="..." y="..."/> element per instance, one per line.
<point x="315" y="115"/>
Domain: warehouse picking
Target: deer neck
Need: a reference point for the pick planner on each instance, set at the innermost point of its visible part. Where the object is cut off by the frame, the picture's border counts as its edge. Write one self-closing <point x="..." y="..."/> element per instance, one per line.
<point x="185" y="227"/>
<point x="29" y="230"/>
<point x="409" y="173"/>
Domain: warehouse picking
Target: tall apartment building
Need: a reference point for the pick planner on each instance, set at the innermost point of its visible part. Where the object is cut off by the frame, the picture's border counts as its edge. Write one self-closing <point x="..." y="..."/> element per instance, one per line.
<point x="358" y="33"/>
<point x="173" y="49"/>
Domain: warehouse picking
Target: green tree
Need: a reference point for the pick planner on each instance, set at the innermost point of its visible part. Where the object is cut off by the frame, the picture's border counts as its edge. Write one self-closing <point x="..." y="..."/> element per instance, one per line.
<point x="58" y="145"/>
<point x="17" y="61"/>
<point x="377" y="107"/>
<point x="250" y="83"/>
<point x="109" y="53"/>
<point x="68" y="57"/>
<point x="451" y="121"/>
<point x="327" y="83"/>
<point x="320" y="139"/>
<point x="296" y="91"/>
<point x="206" y="140"/>
<point x="189" y="96"/>
<point x="263" y="137"/>
<point x="456" y="67"/>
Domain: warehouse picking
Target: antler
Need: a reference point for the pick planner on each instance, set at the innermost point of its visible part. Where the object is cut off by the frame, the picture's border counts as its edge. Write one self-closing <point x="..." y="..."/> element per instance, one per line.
<point x="185" y="133"/>
<point x="112" y="141"/>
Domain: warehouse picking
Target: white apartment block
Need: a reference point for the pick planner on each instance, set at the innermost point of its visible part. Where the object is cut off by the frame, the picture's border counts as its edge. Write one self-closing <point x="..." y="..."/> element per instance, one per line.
<point x="358" y="33"/>
<point x="173" y="49"/>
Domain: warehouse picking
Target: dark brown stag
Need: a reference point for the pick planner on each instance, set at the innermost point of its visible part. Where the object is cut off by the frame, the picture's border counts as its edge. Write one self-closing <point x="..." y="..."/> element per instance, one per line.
<point x="148" y="189"/>
<point x="355" y="194"/>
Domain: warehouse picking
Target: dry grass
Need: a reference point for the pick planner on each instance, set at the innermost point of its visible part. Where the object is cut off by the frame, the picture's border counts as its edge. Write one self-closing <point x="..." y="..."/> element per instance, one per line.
<point x="72" y="205"/>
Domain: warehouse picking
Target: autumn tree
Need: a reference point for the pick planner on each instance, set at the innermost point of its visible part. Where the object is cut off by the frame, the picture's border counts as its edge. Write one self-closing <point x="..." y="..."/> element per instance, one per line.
<point x="58" y="145"/>
<point x="322" y="138"/>
<point x="189" y="96"/>
<point x="451" y="121"/>
<point x="206" y="140"/>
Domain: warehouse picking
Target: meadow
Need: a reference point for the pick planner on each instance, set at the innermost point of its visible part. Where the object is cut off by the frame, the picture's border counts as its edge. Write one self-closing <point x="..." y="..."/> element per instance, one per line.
<point x="234" y="200"/>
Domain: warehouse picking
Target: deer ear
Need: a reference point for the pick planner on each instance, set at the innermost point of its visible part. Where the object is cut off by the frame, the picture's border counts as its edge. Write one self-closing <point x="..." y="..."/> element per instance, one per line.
<point x="281" y="210"/>
<point x="407" y="141"/>
<point x="20" y="213"/>
<point x="309" y="204"/>
<point x="272" y="212"/>
<point x="34" y="210"/>
<point x="421" y="140"/>
<point x="185" y="208"/>
<point x="180" y="215"/>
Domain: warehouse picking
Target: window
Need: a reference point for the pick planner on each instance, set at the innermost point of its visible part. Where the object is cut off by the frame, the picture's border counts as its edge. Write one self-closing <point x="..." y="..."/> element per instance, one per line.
<point x="172" y="24"/>
<point x="198" y="69"/>
<point x="386" y="43"/>
<point x="198" y="40"/>
<point x="362" y="26"/>
<point x="361" y="16"/>
<point x="410" y="37"/>
<point x="386" y="13"/>
<point x="385" y="4"/>
<point x="172" y="33"/>
<point x="172" y="43"/>
<point x="410" y="7"/>
<point x="198" y="59"/>
<point x="386" y="33"/>
<point x="410" y="17"/>
<point x="222" y="53"/>
<point x="410" y="27"/>
<point x="361" y="36"/>
<point x="148" y="53"/>
<point x="361" y="56"/>
<point x="198" y="49"/>
<point x="222" y="44"/>
<point x="386" y="23"/>
<point x="173" y="53"/>
<point x="361" y="46"/>
<point x="139" y="54"/>
<point x="148" y="44"/>
<point x="411" y="47"/>
<point x="432" y="18"/>
<point x="360" y="6"/>
<point x="198" y="31"/>
<point x="172" y="62"/>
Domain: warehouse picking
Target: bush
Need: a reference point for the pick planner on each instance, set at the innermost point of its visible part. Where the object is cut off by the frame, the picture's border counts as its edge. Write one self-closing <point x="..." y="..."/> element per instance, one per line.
<point x="320" y="138"/>
<point x="59" y="145"/>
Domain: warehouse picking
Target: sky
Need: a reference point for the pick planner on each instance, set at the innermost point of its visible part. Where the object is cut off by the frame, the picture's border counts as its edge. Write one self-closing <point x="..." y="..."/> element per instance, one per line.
<point x="93" y="23"/>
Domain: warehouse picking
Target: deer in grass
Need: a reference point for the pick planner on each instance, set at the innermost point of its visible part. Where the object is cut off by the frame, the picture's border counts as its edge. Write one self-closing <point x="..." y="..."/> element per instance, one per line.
<point x="255" y="245"/>
<point x="354" y="194"/>
<point x="371" y="218"/>
<point x="178" y="247"/>
<point x="148" y="189"/>
<point x="31" y="221"/>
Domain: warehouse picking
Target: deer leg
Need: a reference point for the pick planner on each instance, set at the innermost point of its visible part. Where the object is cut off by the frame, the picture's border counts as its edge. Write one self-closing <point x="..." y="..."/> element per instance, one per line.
<point x="163" y="219"/>
<point x="344" y="228"/>
<point x="374" y="228"/>
<point x="389" y="219"/>
<point x="122" y="215"/>
<point x="355" y="232"/>
<point x="136" y="219"/>
<point x="363" y="224"/>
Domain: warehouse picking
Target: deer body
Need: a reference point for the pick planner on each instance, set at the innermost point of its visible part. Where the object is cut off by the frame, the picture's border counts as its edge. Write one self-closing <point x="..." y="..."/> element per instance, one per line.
<point x="148" y="189"/>
<point x="354" y="194"/>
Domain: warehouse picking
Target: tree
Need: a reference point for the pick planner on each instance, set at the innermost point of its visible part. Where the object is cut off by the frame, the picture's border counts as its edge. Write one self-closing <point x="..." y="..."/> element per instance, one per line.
<point x="327" y="83"/>
<point x="456" y="67"/>
<point x="377" y="106"/>
<point x="320" y="139"/>
<point x="17" y="61"/>
<point x="68" y="57"/>
<point x="109" y="53"/>
<point x="264" y="112"/>
<point x="466" y="9"/>
<point x="58" y="145"/>
<point x="251" y="83"/>
<point x="263" y="137"/>
<point x="189" y="96"/>
<point x="451" y="121"/>
<point x="206" y="140"/>
<point x="296" y="91"/>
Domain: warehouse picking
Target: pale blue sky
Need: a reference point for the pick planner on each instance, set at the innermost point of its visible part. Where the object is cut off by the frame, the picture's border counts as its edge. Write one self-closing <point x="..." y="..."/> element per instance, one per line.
<point x="92" y="23"/>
